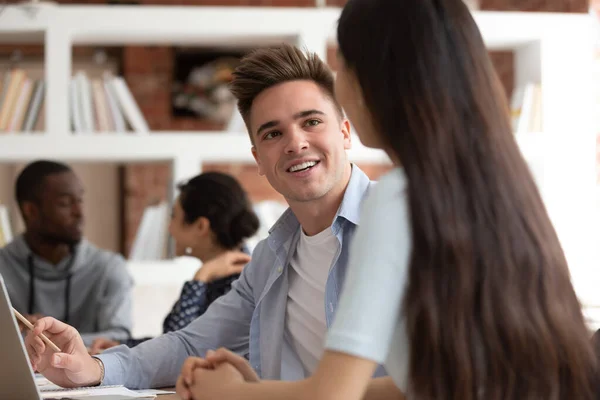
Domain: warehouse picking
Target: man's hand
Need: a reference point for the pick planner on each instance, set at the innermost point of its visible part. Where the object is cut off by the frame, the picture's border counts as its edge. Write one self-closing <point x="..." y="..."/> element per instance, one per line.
<point x="227" y="264"/>
<point x="101" y="344"/>
<point x="32" y="318"/>
<point x="73" y="367"/>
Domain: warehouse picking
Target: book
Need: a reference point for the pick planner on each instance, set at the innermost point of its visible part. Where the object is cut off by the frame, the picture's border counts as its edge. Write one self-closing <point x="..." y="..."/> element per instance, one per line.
<point x="6" y="235"/>
<point x="130" y="108"/>
<point x="115" y="112"/>
<point x="17" y="77"/>
<point x="18" y="115"/>
<point x="35" y="106"/>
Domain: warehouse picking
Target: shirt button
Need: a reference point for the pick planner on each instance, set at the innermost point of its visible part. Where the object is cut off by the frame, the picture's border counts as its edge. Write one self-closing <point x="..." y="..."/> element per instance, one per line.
<point x="331" y="307"/>
<point x="279" y="269"/>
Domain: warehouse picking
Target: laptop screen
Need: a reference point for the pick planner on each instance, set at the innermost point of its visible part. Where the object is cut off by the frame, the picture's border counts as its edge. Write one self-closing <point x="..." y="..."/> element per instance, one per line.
<point x="16" y="375"/>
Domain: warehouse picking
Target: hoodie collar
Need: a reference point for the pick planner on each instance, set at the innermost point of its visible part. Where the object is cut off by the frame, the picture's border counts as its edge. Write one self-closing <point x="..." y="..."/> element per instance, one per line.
<point x="44" y="269"/>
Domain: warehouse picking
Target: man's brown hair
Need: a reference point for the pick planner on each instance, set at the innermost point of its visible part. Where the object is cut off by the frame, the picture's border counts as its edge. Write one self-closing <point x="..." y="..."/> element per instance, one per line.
<point x="269" y="66"/>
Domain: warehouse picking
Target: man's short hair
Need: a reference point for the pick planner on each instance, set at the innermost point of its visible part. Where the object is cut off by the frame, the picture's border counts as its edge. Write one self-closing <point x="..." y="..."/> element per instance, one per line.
<point x="270" y="66"/>
<point x="30" y="180"/>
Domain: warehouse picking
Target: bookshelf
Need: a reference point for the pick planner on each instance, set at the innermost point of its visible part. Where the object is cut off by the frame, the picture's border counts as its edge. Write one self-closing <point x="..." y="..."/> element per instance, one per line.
<point x="553" y="50"/>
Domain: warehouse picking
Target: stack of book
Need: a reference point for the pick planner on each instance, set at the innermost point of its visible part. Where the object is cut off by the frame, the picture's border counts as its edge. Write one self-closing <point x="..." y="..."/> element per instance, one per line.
<point x="104" y="105"/>
<point x="21" y="100"/>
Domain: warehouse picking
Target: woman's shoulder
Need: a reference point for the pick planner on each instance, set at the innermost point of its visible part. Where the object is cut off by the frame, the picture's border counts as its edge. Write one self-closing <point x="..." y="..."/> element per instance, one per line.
<point x="392" y="182"/>
<point x="387" y="195"/>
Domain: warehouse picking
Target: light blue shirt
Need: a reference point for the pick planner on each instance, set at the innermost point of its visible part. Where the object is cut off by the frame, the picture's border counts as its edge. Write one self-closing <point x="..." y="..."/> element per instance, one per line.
<point x="250" y="318"/>
<point x="370" y="323"/>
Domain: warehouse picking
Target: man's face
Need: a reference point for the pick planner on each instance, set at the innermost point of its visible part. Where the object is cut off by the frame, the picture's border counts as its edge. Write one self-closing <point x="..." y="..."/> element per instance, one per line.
<point x="58" y="214"/>
<point x="299" y="140"/>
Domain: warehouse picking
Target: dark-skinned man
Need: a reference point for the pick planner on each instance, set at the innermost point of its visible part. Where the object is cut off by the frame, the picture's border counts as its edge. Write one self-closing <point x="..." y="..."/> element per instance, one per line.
<point x="51" y="270"/>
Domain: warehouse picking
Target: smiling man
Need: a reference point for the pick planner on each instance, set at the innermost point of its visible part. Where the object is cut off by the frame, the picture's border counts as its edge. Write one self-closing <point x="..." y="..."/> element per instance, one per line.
<point x="278" y="311"/>
<point x="51" y="270"/>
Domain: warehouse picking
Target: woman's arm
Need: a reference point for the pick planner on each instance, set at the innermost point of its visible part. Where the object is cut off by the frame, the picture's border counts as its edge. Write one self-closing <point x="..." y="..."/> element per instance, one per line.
<point x="383" y="389"/>
<point x="193" y="301"/>
<point x="338" y="377"/>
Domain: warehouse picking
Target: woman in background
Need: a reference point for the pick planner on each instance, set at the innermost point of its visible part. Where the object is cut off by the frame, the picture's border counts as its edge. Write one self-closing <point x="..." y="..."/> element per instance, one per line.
<point x="456" y="282"/>
<point x="211" y="219"/>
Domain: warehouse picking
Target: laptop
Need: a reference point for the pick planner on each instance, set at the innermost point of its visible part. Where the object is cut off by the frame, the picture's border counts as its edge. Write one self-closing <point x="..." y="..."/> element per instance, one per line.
<point x="17" y="379"/>
<point x="16" y="375"/>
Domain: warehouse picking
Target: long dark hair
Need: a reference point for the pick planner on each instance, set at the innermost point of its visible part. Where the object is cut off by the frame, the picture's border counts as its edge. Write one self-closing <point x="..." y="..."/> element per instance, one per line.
<point x="221" y="199"/>
<point x="490" y="309"/>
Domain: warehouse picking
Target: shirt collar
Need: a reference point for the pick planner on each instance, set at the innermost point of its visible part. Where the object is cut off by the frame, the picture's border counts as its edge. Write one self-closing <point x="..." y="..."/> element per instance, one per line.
<point x="349" y="209"/>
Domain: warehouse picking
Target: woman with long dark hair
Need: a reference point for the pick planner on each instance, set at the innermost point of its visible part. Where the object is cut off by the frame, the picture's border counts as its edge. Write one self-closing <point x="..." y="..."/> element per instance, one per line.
<point x="457" y="281"/>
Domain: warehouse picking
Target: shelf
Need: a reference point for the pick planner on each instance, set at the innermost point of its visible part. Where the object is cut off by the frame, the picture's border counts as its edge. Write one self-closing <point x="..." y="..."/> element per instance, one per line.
<point x="223" y="26"/>
<point x="208" y="146"/>
<point x="114" y="147"/>
<point x="547" y="48"/>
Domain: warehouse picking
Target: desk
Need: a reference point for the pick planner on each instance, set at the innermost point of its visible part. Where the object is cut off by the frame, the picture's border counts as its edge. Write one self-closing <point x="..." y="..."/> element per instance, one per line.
<point x="168" y="396"/>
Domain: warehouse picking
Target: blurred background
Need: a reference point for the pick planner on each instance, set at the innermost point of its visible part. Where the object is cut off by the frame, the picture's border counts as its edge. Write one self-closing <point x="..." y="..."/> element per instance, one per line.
<point x="133" y="95"/>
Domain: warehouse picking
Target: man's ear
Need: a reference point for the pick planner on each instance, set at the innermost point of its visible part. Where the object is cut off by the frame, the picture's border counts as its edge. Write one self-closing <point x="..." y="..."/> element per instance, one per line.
<point x="347" y="134"/>
<point x="257" y="159"/>
<point x="30" y="211"/>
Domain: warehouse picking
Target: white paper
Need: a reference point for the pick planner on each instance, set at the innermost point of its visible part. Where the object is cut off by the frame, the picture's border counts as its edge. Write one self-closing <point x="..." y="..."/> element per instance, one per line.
<point x="103" y="392"/>
<point x="51" y="391"/>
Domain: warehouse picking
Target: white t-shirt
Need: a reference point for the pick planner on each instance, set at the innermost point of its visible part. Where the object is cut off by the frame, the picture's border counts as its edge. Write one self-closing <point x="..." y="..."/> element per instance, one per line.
<point x="305" y="314"/>
<point x="369" y="322"/>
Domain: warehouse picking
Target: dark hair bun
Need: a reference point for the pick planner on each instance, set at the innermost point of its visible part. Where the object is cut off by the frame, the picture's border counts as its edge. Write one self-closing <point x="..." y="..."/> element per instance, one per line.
<point x="221" y="199"/>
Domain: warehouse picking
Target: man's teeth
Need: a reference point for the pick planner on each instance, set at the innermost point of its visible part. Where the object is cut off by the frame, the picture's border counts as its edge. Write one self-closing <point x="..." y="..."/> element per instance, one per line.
<point x="302" y="166"/>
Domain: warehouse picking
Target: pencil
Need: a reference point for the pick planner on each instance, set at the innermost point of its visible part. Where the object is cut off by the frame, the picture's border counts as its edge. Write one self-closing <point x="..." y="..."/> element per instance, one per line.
<point x="42" y="336"/>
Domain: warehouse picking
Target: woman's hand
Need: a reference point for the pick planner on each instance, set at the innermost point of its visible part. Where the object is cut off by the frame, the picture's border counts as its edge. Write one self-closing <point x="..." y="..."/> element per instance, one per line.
<point x="222" y="362"/>
<point x="227" y="264"/>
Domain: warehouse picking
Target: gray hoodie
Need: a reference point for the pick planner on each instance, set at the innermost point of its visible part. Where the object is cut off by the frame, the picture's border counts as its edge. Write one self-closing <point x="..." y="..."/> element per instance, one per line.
<point x="92" y="291"/>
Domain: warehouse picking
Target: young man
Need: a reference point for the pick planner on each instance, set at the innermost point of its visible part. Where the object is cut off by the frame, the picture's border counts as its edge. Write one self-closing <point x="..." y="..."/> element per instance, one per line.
<point x="279" y="309"/>
<point x="51" y="270"/>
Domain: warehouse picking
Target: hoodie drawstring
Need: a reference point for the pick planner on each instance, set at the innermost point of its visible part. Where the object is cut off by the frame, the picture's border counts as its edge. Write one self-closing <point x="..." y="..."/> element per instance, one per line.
<point x="31" y="284"/>
<point x="67" y="287"/>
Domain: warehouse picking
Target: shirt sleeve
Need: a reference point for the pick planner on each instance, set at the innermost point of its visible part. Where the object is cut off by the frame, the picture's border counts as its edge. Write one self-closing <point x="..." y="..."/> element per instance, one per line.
<point x="157" y="362"/>
<point x="369" y="311"/>
<point x="191" y="304"/>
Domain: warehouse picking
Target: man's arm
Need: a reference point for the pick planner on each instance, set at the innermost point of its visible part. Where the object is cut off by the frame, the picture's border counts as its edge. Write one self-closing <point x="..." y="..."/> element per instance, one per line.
<point x="157" y="362"/>
<point x="115" y="306"/>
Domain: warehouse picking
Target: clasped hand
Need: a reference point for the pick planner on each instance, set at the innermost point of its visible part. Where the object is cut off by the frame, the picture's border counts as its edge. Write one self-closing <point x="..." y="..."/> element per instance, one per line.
<point x="213" y="377"/>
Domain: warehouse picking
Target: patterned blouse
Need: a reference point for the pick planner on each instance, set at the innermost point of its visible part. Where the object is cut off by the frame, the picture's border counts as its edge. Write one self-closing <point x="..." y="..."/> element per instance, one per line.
<point x="193" y="302"/>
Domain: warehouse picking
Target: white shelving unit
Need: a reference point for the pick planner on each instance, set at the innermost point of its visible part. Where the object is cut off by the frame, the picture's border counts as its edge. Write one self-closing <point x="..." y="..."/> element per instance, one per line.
<point x="554" y="50"/>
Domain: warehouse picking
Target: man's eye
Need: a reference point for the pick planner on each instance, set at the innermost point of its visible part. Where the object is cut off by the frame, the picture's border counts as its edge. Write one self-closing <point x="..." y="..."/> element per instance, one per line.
<point x="271" y="135"/>
<point x="313" y="122"/>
